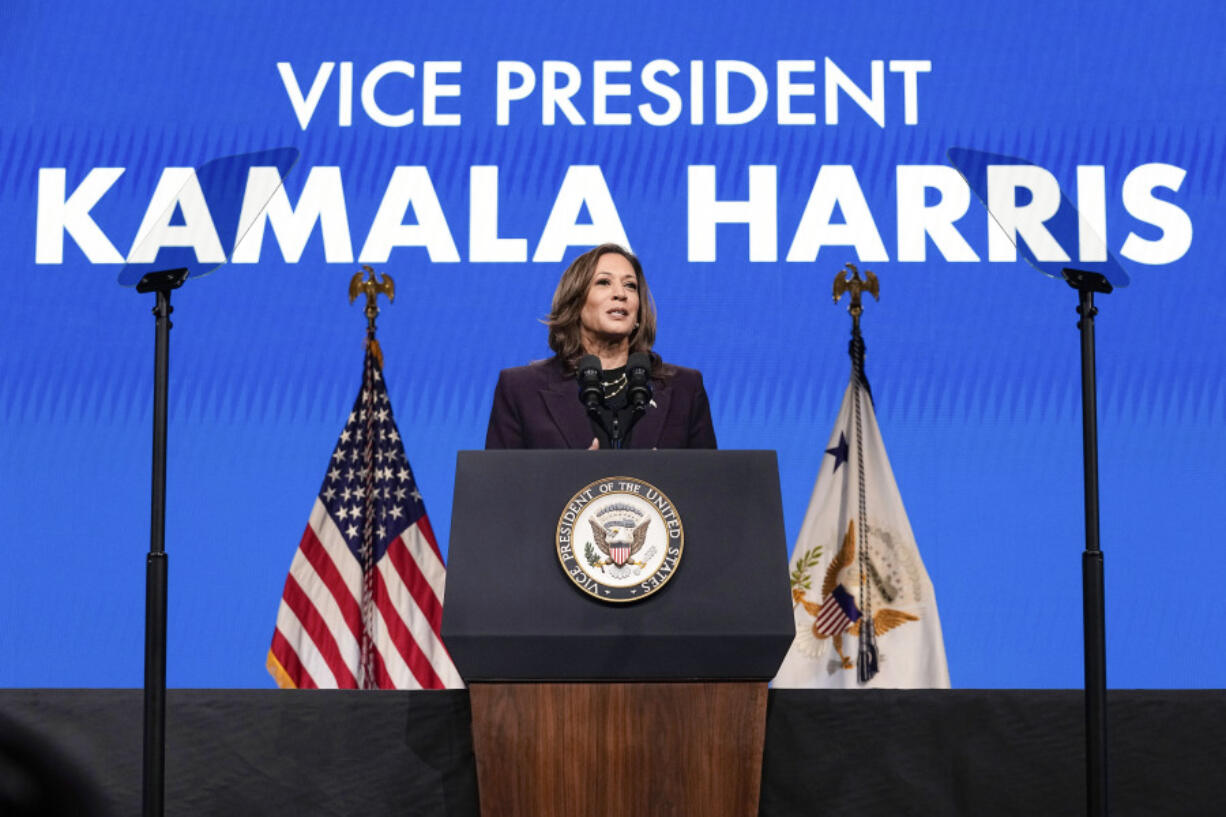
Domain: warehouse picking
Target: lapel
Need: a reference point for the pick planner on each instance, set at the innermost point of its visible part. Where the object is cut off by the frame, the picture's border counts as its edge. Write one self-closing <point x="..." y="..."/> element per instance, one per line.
<point x="647" y="430"/>
<point x="561" y="398"/>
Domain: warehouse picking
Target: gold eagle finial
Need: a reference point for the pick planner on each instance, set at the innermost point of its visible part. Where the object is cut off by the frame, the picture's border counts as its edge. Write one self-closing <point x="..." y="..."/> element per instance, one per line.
<point x="372" y="287"/>
<point x="851" y="282"/>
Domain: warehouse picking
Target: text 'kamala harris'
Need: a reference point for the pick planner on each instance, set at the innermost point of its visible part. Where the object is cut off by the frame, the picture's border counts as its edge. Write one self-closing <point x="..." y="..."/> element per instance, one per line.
<point x="928" y="199"/>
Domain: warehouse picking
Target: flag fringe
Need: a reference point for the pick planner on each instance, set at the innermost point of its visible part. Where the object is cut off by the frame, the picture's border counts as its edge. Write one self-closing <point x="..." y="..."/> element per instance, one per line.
<point x="278" y="672"/>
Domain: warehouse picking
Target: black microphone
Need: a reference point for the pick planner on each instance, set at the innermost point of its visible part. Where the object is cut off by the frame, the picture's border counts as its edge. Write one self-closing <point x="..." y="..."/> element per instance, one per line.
<point x="591" y="393"/>
<point x="638" y="374"/>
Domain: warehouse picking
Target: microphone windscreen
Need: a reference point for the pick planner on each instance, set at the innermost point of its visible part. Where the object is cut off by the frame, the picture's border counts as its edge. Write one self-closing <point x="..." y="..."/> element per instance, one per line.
<point x="591" y="393"/>
<point x="587" y="365"/>
<point x="638" y="375"/>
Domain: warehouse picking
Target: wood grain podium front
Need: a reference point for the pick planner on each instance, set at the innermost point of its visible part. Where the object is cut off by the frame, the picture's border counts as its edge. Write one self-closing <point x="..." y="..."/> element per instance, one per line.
<point x="584" y="707"/>
<point x="619" y="749"/>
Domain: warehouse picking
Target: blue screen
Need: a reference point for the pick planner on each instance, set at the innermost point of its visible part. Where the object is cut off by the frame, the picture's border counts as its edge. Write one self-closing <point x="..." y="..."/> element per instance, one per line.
<point x="746" y="152"/>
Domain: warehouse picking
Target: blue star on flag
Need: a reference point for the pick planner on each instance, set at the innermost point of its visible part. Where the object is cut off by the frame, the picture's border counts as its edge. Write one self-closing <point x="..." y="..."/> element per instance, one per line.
<point x="839" y="451"/>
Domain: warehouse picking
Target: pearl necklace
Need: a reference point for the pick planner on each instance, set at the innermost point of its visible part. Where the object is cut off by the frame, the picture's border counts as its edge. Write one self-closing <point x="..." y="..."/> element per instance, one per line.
<point x="617" y="384"/>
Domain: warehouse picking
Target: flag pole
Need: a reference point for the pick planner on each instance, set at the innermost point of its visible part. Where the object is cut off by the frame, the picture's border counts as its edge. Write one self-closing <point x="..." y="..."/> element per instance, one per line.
<point x="372" y="287"/>
<point x="850" y="282"/>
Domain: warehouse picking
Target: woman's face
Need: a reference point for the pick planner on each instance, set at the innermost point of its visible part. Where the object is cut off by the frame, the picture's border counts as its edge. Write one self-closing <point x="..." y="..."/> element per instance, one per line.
<point x="612" y="307"/>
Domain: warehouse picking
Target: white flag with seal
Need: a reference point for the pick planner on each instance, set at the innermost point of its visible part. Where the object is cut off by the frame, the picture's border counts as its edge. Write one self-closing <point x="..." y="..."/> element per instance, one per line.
<point x="863" y="602"/>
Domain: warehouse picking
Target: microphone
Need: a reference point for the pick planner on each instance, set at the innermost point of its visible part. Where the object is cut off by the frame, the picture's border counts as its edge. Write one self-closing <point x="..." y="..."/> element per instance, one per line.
<point x="638" y="374"/>
<point x="591" y="393"/>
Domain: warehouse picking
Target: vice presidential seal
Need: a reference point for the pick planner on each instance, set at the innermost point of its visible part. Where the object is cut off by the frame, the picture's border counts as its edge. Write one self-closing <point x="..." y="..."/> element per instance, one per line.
<point x="620" y="539"/>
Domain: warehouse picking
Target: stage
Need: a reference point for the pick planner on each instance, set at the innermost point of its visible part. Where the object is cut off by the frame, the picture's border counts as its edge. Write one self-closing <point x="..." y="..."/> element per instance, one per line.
<point x="241" y="752"/>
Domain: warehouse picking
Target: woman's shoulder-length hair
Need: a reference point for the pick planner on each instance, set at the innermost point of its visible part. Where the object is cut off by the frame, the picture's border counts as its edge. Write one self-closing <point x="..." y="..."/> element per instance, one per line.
<point x="570" y="296"/>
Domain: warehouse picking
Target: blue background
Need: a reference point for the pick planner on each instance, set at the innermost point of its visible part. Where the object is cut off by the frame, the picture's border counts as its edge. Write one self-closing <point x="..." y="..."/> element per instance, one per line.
<point x="974" y="365"/>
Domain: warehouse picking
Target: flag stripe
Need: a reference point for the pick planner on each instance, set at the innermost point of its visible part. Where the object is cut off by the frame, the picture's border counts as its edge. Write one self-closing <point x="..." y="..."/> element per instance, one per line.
<point x="288" y="660"/>
<point x="410" y="574"/>
<point x="313" y="670"/>
<point x="383" y="678"/>
<point x="390" y="601"/>
<point x="423" y="629"/>
<point x="318" y="630"/>
<point x="391" y="662"/>
<point x="424" y="550"/>
<point x="342" y="596"/>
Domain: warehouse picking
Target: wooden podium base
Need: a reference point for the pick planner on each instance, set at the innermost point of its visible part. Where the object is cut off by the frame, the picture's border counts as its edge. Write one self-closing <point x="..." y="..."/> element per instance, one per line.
<point x="619" y="749"/>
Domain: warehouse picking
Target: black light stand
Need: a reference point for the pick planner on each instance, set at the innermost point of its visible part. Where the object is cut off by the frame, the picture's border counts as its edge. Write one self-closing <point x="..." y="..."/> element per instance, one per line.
<point x="1092" y="596"/>
<point x="154" y="784"/>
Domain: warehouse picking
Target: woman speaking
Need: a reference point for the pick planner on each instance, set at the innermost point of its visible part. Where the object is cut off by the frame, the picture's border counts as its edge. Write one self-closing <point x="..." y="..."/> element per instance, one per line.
<point x="604" y="387"/>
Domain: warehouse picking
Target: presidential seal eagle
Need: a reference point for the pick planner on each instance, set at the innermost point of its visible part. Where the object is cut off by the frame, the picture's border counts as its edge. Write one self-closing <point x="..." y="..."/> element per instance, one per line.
<point x="619" y="545"/>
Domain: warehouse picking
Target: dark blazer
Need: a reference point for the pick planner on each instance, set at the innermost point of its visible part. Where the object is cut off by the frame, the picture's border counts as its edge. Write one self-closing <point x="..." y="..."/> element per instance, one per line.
<point x="537" y="406"/>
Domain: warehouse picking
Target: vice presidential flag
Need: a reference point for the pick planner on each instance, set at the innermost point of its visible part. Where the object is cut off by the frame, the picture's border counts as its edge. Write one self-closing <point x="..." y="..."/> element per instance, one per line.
<point x="863" y="602"/>
<point x="363" y="601"/>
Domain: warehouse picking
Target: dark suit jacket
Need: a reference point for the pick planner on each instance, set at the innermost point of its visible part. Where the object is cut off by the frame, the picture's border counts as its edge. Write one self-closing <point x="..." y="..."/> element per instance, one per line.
<point x="537" y="406"/>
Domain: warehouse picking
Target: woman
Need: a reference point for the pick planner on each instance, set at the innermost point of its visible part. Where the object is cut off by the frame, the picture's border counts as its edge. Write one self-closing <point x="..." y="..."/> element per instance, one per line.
<point x="601" y="307"/>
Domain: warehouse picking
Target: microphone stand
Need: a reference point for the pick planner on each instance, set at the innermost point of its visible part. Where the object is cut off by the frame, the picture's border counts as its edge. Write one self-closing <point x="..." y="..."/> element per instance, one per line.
<point x="615" y="435"/>
<point x="592" y="402"/>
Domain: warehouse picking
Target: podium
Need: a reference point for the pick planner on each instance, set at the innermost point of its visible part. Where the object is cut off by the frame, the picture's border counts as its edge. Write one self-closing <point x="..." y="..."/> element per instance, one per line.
<point x="650" y="705"/>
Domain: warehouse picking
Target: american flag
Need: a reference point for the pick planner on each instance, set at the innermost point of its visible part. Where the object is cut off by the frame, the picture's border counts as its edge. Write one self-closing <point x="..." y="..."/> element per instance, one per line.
<point x="363" y="601"/>
<point x="837" y="613"/>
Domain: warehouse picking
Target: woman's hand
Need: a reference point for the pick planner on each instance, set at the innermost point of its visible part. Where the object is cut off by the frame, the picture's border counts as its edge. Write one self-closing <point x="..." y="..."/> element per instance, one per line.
<point x="595" y="444"/>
